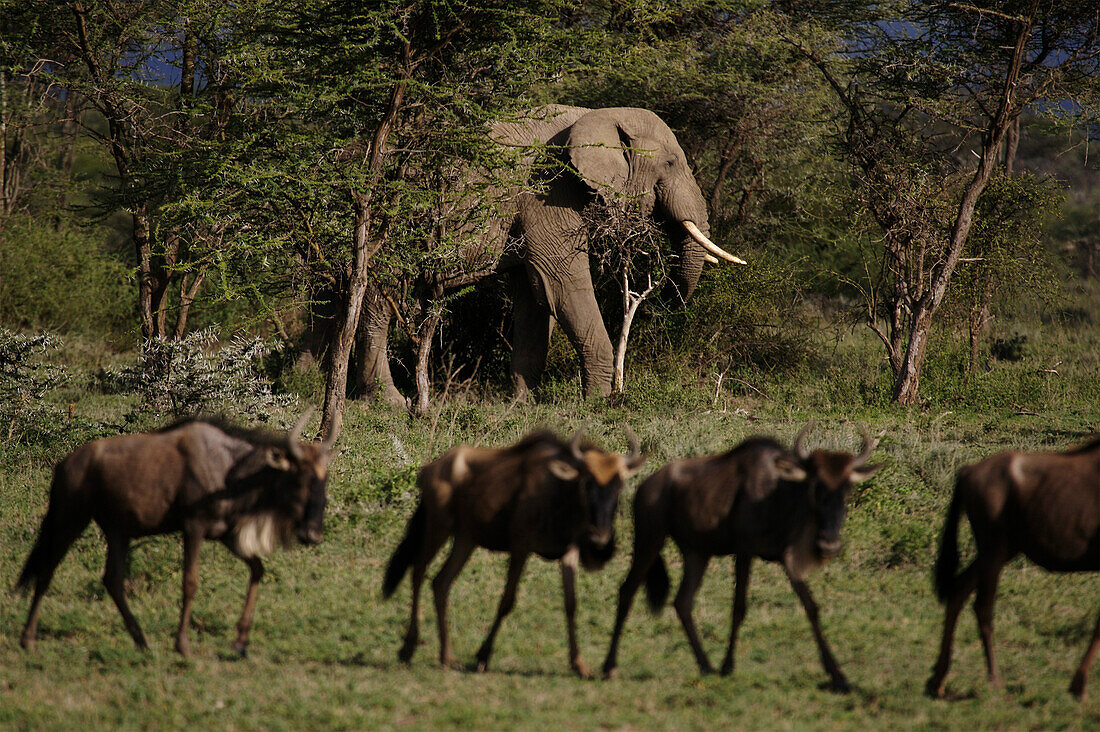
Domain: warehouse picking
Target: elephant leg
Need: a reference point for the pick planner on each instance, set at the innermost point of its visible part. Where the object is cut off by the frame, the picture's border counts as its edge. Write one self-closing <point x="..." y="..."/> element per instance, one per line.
<point x="579" y="315"/>
<point x="373" y="375"/>
<point x="531" y="324"/>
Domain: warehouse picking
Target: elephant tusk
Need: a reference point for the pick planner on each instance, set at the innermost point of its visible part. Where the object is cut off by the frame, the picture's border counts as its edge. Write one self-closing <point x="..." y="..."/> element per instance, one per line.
<point x="709" y="245"/>
<point x="709" y="259"/>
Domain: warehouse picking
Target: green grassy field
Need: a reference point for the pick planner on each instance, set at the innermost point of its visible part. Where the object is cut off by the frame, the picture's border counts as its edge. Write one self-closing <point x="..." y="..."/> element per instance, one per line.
<point x="324" y="644"/>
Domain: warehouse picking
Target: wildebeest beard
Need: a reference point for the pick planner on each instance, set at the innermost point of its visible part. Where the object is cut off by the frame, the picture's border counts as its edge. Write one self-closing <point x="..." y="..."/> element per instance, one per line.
<point x="595" y="557"/>
<point x="268" y="504"/>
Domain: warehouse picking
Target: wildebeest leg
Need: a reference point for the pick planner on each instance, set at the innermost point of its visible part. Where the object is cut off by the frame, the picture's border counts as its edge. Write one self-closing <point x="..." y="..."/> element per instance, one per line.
<point x="114" y="579"/>
<point x="965" y="585"/>
<point x="419" y="569"/>
<point x="695" y="565"/>
<point x="441" y="587"/>
<point x="516" y="562"/>
<point x="1077" y="686"/>
<point x="988" y="575"/>
<point x="55" y="538"/>
<point x="192" y="541"/>
<point x="838" y="682"/>
<point x="740" y="599"/>
<point x="256" y="573"/>
<point x="643" y="558"/>
<point x="569" y="590"/>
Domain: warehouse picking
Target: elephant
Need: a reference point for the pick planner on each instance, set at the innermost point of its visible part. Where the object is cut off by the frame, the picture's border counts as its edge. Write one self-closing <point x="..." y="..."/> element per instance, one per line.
<point x="538" y="239"/>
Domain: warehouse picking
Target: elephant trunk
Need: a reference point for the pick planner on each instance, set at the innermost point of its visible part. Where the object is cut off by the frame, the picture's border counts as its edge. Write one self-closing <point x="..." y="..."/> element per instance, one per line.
<point x="679" y="203"/>
<point x="685" y="214"/>
<point x="685" y="275"/>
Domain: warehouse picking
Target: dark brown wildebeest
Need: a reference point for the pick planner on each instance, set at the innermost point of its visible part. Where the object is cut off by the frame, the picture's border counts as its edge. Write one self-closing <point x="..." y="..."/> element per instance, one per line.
<point x="251" y="490"/>
<point x="1043" y="505"/>
<point x="541" y="495"/>
<point x="756" y="500"/>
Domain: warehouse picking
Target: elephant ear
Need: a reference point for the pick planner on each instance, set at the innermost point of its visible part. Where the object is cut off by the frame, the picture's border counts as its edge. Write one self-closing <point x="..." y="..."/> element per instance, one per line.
<point x="598" y="149"/>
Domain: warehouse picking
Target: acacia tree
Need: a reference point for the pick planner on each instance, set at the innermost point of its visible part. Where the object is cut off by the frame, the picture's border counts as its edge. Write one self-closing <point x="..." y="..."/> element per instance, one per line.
<point x="349" y="166"/>
<point x="924" y="92"/>
<point x="129" y="74"/>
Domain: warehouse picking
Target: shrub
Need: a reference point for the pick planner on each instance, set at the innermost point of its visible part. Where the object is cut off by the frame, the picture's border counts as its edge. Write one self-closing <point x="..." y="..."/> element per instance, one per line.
<point x="27" y="377"/>
<point x="1009" y="349"/>
<point x="188" y="376"/>
<point x="751" y="318"/>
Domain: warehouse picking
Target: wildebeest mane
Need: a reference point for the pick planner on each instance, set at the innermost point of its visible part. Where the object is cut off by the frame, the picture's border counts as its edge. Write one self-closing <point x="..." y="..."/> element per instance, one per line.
<point x="258" y="436"/>
<point x="535" y="438"/>
<point x="540" y="436"/>
<point x="750" y="444"/>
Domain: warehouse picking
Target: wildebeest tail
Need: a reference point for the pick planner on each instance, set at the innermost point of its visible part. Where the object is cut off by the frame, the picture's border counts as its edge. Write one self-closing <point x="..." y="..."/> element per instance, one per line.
<point x="656" y="585"/>
<point x="37" y="560"/>
<point x="947" y="564"/>
<point x="65" y="518"/>
<point x="406" y="551"/>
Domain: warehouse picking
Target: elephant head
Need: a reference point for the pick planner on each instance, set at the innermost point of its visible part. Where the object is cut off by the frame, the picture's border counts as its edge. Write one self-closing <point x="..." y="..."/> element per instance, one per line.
<point x="624" y="151"/>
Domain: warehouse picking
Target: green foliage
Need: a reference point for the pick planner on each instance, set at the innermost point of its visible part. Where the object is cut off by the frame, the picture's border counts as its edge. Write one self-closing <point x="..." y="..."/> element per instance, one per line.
<point x="1006" y="242"/>
<point x="750" y="318"/>
<point x="63" y="279"/>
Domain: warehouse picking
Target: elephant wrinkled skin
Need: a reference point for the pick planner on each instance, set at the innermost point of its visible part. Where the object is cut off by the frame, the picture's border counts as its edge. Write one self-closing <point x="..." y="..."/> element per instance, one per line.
<point x="540" y="242"/>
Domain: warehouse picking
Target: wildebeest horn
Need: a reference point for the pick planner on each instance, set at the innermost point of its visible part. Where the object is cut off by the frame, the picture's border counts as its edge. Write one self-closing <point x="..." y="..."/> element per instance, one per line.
<point x="292" y="445"/>
<point x="868" y="446"/>
<point x="575" y="445"/>
<point x="799" y="449"/>
<point x="635" y="458"/>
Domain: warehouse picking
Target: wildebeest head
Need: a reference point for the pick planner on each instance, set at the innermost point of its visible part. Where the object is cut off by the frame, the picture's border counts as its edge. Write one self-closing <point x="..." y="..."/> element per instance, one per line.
<point x="599" y="477"/>
<point x="295" y="473"/>
<point x="828" y="477"/>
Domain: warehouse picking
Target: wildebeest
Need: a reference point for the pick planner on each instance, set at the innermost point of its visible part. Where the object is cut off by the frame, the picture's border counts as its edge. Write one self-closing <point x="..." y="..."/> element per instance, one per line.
<point x="540" y="495"/>
<point x="1043" y="505"/>
<point x="249" y="489"/>
<point x="756" y="500"/>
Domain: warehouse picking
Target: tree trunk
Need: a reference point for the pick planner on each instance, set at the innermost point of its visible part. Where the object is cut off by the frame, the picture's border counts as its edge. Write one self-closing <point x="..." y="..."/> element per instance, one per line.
<point x="979" y="324"/>
<point x="336" y="382"/>
<point x="6" y="203"/>
<point x="188" y="291"/>
<point x="1012" y="143"/>
<point x="907" y="387"/>
<point x="373" y="374"/>
<point x="144" y="249"/>
<point x="187" y="63"/>
<point x="66" y="155"/>
<point x="631" y="302"/>
<point x="428" y="327"/>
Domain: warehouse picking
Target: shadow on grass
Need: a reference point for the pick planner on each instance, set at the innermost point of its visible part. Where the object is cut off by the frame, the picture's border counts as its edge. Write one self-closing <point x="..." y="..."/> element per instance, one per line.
<point x="362" y="660"/>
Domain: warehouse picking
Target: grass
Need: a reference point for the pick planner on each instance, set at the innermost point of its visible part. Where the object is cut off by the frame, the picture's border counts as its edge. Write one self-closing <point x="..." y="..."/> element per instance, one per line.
<point x="324" y="644"/>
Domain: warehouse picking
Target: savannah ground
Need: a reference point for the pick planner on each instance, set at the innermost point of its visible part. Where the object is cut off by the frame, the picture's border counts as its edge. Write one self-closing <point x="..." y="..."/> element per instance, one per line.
<point x="324" y="644"/>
